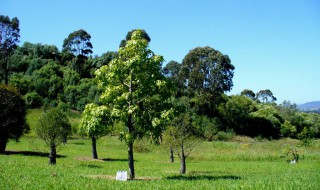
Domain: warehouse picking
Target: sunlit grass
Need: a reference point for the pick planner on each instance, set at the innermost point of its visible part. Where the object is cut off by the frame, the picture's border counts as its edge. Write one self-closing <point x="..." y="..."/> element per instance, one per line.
<point x="243" y="163"/>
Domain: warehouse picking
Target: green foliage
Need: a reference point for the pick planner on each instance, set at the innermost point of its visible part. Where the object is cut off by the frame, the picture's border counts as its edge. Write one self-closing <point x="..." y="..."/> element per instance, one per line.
<point x="96" y="121"/>
<point x="22" y="82"/>
<point x="265" y="96"/>
<point x="12" y="116"/>
<point x="207" y="73"/>
<point x="53" y="127"/>
<point x="9" y="38"/>
<point x="132" y="84"/>
<point x="33" y="100"/>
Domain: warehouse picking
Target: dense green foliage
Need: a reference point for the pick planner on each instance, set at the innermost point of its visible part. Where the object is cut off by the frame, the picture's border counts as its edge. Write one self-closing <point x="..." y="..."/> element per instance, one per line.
<point x="12" y="116"/>
<point x="53" y="127"/>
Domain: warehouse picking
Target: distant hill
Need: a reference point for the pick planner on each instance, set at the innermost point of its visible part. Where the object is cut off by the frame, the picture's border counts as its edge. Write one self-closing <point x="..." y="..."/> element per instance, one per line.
<point x="310" y="106"/>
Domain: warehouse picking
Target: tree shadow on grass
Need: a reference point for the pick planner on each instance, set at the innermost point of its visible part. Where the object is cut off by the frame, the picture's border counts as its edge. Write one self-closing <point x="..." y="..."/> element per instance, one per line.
<point x="31" y="153"/>
<point x="202" y="177"/>
<point x="114" y="160"/>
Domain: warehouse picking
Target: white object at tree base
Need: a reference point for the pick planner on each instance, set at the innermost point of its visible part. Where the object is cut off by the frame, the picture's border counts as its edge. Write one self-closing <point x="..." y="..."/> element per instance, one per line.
<point x="293" y="161"/>
<point x="122" y="176"/>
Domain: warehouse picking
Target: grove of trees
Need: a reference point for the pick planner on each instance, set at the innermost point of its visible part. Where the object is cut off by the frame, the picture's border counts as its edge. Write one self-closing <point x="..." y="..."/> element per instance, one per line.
<point x="179" y="102"/>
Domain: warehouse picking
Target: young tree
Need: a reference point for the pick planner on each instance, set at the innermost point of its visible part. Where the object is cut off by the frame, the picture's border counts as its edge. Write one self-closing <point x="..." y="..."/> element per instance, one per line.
<point x="53" y="127"/>
<point x="96" y="122"/>
<point x="183" y="131"/>
<point x="135" y="90"/>
<point x="9" y="37"/>
<point x="12" y="116"/>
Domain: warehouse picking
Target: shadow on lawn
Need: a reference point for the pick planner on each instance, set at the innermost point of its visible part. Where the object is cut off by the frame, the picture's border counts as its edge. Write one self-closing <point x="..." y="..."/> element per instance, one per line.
<point x="114" y="160"/>
<point x="202" y="177"/>
<point x="31" y="153"/>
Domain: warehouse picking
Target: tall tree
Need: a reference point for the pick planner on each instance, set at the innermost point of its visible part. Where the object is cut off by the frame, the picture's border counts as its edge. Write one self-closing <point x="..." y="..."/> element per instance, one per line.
<point x="248" y="93"/>
<point x="266" y="96"/>
<point x="207" y="73"/>
<point x="173" y="73"/>
<point x="53" y="127"/>
<point x="12" y="116"/>
<point x="95" y="123"/>
<point x="144" y="35"/>
<point x="9" y="37"/>
<point x="78" y="43"/>
<point x="135" y="89"/>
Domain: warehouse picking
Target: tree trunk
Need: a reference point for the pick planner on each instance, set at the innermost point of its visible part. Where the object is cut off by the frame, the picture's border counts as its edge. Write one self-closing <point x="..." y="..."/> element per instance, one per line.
<point x="3" y="144"/>
<point x="53" y="154"/>
<point x="183" y="161"/>
<point x="171" y="155"/>
<point x="94" y="148"/>
<point x="131" y="161"/>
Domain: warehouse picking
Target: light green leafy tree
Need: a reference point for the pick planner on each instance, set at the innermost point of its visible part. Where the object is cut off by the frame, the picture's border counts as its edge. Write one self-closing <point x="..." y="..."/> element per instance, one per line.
<point x="96" y="122"/>
<point x="135" y="90"/>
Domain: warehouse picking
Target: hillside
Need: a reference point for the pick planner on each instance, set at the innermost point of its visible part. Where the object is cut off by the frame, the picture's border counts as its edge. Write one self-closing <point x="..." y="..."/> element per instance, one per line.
<point x="310" y="106"/>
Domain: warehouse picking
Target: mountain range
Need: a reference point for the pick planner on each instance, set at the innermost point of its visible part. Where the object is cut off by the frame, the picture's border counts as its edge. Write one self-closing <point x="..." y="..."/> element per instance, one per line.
<point x="310" y="106"/>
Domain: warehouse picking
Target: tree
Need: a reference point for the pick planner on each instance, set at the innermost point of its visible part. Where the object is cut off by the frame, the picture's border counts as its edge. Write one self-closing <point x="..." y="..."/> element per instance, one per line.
<point x="248" y="93"/>
<point x="78" y="43"/>
<point x="237" y="111"/>
<point x="183" y="131"/>
<point x="12" y="116"/>
<point x="135" y="90"/>
<point x="144" y="35"/>
<point x="9" y="37"/>
<point x="207" y="73"/>
<point x="173" y="73"/>
<point x="266" y="96"/>
<point x="53" y="127"/>
<point x="95" y="123"/>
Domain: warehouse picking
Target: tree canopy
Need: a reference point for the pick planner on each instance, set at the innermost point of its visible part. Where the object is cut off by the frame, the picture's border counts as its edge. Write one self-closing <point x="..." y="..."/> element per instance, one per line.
<point x="12" y="116"/>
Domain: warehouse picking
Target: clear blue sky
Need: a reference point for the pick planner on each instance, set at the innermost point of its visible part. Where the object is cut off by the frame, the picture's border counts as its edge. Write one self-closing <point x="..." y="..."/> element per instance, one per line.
<point x="273" y="44"/>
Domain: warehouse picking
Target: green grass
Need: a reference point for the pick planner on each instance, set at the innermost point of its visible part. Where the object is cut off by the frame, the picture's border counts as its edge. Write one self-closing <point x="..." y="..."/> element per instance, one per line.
<point x="241" y="164"/>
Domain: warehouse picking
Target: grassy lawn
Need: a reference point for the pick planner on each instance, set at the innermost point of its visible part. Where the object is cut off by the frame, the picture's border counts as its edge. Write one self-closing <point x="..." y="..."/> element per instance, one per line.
<point x="240" y="164"/>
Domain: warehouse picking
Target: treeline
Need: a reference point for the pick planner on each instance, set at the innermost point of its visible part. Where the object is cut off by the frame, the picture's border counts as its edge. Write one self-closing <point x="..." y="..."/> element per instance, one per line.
<point x="46" y="76"/>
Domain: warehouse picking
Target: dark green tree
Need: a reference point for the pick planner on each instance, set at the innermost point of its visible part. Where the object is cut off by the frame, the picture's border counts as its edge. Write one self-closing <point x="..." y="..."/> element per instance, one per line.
<point x="78" y="43"/>
<point x="266" y="96"/>
<point x="53" y="127"/>
<point x="144" y="35"/>
<point x="207" y="73"/>
<point x="12" y="116"/>
<point x="9" y="37"/>
<point x="248" y="93"/>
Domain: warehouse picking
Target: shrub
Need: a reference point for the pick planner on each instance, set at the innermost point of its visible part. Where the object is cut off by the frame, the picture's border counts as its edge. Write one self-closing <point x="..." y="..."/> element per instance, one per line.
<point x="33" y="100"/>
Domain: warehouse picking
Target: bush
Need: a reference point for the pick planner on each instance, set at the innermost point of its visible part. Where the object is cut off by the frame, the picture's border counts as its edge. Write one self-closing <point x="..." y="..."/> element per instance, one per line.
<point x="33" y="100"/>
<point x="12" y="116"/>
<point x="224" y="136"/>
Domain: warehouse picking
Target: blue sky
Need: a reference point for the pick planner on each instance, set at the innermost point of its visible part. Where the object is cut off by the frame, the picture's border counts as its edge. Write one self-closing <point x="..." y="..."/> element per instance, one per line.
<point x="273" y="44"/>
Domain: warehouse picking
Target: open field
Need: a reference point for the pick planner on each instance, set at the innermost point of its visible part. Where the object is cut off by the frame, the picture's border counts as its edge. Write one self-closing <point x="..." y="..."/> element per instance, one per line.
<point x="243" y="163"/>
<point x="213" y="165"/>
